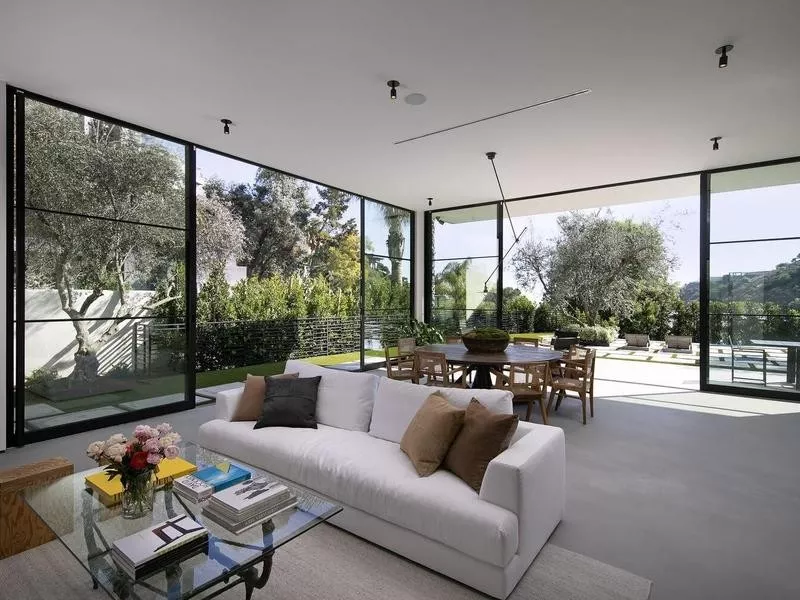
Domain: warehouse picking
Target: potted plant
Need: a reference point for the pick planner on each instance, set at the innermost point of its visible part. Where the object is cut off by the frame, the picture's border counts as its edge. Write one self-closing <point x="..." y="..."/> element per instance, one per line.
<point x="486" y="339"/>
<point x="135" y="462"/>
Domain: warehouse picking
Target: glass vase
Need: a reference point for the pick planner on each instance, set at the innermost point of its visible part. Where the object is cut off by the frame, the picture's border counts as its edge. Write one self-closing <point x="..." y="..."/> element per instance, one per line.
<point x="138" y="496"/>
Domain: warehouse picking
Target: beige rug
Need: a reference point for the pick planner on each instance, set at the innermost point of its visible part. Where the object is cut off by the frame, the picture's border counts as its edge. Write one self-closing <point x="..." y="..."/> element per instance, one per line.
<point x="330" y="564"/>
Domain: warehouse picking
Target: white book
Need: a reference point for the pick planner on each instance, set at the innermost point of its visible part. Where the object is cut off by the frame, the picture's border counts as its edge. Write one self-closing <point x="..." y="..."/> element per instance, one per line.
<point x="193" y="487"/>
<point x="250" y="494"/>
<point x="150" y="543"/>
<point x="239" y="527"/>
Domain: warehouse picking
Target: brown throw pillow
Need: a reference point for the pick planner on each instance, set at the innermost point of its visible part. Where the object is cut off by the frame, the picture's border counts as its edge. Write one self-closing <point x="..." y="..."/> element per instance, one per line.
<point x="430" y="433"/>
<point x="251" y="402"/>
<point x="484" y="436"/>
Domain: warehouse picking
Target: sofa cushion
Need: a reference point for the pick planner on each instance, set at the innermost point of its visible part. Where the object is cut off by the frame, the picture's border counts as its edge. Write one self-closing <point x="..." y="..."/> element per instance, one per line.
<point x="396" y="403"/>
<point x="374" y="476"/>
<point x="344" y="399"/>
<point x="483" y="437"/>
<point x="251" y="403"/>
<point x="430" y="433"/>
<point x="290" y="402"/>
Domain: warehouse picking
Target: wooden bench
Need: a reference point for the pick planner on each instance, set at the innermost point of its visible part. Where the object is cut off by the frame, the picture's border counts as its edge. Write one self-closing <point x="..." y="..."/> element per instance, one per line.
<point x="20" y="528"/>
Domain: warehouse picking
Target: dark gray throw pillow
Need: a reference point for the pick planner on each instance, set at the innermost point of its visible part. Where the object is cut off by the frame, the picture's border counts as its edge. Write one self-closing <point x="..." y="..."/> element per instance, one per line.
<point x="290" y="403"/>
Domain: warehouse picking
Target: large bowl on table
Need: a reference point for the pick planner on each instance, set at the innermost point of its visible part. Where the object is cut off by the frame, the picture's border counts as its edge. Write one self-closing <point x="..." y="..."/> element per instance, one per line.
<point x="486" y="340"/>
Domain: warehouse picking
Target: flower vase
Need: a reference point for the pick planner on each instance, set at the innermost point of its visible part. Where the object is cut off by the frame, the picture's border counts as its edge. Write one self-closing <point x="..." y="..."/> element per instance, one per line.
<point x="138" y="496"/>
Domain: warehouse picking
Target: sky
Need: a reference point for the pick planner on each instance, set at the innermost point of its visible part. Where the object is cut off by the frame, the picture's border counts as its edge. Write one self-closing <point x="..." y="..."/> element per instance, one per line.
<point x="766" y="212"/>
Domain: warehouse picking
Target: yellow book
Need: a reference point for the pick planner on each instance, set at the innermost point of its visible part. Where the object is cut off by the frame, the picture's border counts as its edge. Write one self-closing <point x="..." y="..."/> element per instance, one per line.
<point x="110" y="492"/>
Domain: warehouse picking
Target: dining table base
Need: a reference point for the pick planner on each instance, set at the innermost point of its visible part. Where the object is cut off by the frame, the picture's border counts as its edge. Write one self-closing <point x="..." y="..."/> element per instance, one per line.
<point x="483" y="377"/>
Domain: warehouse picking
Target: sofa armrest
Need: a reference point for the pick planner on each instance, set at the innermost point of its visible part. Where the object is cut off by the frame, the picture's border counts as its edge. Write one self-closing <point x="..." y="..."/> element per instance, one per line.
<point x="528" y="479"/>
<point x="226" y="403"/>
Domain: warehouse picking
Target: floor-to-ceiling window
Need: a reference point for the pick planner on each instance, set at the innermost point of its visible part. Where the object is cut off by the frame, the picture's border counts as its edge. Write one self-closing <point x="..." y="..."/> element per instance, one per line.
<point x="101" y="242"/>
<point x="753" y="279"/>
<point x="388" y="268"/>
<point x="149" y="273"/>
<point x="464" y="268"/>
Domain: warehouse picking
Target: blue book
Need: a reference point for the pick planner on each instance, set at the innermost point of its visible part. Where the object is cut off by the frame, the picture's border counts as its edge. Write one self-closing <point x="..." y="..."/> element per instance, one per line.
<point x="201" y="484"/>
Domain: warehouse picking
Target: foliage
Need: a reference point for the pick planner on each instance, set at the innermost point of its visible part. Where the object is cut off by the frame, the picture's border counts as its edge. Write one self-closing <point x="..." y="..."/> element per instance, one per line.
<point x="423" y="333"/>
<point x="42" y="376"/>
<point x="654" y="311"/>
<point x="547" y="318"/>
<point x="597" y="335"/>
<point x="487" y="333"/>
<point x="595" y="266"/>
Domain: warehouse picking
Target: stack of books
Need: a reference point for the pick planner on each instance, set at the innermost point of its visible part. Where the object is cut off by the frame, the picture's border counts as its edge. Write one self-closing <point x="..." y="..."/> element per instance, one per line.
<point x="247" y="504"/>
<point x="155" y="548"/>
<point x="200" y="485"/>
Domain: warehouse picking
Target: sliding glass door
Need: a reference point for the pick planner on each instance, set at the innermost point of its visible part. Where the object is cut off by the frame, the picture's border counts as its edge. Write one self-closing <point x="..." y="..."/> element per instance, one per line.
<point x="753" y="281"/>
<point x="101" y="243"/>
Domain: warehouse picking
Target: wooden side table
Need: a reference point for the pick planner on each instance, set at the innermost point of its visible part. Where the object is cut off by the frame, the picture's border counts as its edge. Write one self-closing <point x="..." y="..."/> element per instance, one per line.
<point x="20" y="528"/>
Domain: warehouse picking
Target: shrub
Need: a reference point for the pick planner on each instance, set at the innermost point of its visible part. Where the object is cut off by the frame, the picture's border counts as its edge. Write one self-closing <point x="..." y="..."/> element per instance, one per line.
<point x="41" y="376"/>
<point x="424" y="333"/>
<point x="547" y="318"/>
<point x="597" y="335"/>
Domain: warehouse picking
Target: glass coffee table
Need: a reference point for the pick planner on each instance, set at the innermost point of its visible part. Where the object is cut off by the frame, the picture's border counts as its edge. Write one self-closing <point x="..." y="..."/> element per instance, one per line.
<point x="88" y="529"/>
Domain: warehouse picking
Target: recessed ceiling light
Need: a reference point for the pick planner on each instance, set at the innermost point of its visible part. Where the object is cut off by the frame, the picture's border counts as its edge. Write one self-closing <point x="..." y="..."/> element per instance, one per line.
<point x="415" y="99"/>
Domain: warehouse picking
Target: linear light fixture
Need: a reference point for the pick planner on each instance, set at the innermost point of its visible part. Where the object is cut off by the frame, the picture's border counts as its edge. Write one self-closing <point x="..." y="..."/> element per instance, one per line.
<point x="502" y="114"/>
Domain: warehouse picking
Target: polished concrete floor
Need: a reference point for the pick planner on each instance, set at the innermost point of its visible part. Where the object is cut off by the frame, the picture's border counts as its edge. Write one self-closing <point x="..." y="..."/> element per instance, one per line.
<point x="699" y="493"/>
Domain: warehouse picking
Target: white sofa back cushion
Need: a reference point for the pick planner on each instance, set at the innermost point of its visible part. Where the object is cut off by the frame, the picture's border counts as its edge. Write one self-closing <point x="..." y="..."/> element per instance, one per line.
<point x="344" y="400"/>
<point x="396" y="403"/>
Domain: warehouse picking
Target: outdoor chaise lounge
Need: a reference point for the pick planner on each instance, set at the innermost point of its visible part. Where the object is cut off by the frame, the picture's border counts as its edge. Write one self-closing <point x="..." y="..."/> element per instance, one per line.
<point x="637" y="341"/>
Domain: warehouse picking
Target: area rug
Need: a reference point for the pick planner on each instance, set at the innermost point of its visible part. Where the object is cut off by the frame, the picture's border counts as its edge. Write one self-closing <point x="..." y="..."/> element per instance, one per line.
<point x="330" y="564"/>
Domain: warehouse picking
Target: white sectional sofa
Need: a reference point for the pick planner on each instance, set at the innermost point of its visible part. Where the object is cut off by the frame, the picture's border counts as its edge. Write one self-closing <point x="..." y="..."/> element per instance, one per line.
<point x="486" y="540"/>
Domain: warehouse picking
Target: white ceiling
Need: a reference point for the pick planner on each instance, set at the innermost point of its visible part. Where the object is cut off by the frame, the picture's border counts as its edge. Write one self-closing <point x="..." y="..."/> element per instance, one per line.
<point x="305" y="84"/>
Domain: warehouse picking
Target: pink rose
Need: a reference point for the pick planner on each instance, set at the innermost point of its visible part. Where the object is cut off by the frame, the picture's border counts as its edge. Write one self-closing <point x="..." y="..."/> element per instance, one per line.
<point x="141" y="432"/>
<point x="171" y="451"/>
<point x="150" y="445"/>
<point x="153" y="458"/>
<point x="164" y="428"/>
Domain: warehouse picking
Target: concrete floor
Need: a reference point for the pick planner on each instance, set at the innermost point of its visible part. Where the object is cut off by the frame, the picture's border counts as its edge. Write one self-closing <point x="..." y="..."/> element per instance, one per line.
<point x="698" y="492"/>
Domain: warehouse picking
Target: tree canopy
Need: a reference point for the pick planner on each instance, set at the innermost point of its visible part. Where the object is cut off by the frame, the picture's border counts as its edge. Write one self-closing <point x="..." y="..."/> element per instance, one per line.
<point x="595" y="266"/>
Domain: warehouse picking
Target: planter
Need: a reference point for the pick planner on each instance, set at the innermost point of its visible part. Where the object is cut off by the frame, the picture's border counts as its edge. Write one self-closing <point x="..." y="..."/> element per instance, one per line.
<point x="486" y="341"/>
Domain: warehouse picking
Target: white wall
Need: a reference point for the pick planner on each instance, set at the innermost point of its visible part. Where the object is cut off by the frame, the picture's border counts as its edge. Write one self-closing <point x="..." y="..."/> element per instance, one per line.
<point x="52" y="344"/>
<point x="3" y="210"/>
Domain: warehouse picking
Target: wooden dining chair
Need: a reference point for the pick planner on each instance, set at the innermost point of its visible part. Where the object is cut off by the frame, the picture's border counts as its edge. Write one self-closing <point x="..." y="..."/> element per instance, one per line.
<point x="528" y="382"/>
<point x="402" y="367"/>
<point x="437" y="372"/>
<point x="575" y="375"/>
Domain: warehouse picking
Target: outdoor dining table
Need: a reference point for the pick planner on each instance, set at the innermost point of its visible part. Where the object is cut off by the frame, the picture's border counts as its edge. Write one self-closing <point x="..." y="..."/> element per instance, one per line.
<point x="792" y="357"/>
<point x="483" y="362"/>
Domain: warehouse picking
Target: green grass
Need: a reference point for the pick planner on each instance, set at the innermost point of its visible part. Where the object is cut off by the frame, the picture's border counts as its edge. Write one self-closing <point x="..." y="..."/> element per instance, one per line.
<point x="532" y="336"/>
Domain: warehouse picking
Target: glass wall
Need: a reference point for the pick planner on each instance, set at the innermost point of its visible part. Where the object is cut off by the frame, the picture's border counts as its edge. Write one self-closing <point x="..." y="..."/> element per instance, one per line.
<point x="150" y="273"/>
<point x="464" y="277"/>
<point x="101" y="231"/>
<point x="754" y="279"/>
<point x="387" y="263"/>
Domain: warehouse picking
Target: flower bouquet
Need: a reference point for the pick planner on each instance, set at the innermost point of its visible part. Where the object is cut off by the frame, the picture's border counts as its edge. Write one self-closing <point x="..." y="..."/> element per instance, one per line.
<point x="134" y="462"/>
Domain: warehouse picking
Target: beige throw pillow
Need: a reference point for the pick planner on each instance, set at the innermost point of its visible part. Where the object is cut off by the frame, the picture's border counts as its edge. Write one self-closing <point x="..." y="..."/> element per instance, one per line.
<point x="430" y="433"/>
<point x="484" y="436"/>
<point x="251" y="402"/>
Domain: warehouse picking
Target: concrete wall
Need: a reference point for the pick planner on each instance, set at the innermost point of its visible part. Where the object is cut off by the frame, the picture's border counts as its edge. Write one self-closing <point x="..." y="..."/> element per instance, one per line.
<point x="52" y="344"/>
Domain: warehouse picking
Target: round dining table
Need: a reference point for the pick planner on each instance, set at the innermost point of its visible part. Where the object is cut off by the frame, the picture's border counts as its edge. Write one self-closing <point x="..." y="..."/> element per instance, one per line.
<point x="483" y="362"/>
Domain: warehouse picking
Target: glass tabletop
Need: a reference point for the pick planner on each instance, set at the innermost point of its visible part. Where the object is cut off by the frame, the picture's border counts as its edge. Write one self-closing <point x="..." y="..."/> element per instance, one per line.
<point x="88" y="529"/>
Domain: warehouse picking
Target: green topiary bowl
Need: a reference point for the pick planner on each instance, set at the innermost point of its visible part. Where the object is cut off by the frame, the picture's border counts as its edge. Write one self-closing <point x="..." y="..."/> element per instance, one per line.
<point x="486" y="340"/>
